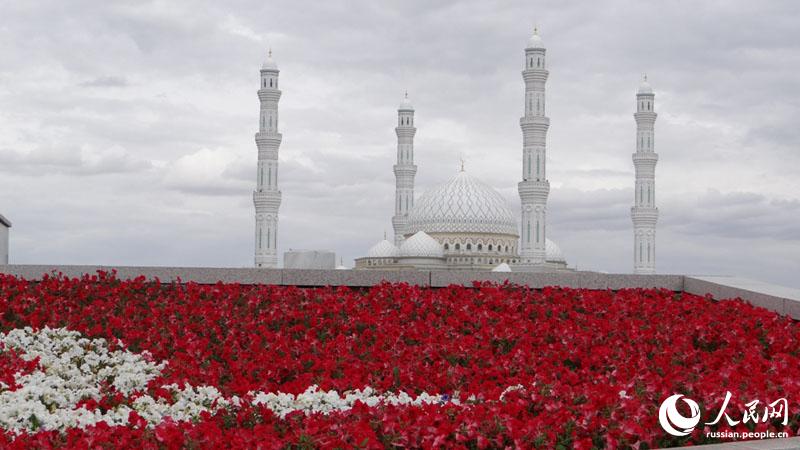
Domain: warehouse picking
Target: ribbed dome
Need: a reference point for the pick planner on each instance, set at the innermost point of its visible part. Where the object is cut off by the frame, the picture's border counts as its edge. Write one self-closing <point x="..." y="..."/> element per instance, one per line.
<point x="462" y="205"/>
<point x="535" y="41"/>
<point x="383" y="249"/>
<point x="269" y="63"/>
<point x="405" y="104"/>
<point x="421" y="245"/>
<point x="645" y="87"/>
<point x="502" y="267"/>
<point x="553" y="252"/>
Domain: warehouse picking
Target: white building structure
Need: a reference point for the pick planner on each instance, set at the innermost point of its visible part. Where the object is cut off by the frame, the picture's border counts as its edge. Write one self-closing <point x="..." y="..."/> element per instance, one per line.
<point x="464" y="223"/>
<point x="309" y="259"/>
<point x="5" y="228"/>
<point x="267" y="197"/>
<point x="404" y="170"/>
<point x="534" y="187"/>
<point x="644" y="212"/>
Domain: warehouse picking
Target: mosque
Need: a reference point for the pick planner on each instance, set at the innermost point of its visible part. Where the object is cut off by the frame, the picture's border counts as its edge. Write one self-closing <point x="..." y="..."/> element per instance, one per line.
<point x="464" y="223"/>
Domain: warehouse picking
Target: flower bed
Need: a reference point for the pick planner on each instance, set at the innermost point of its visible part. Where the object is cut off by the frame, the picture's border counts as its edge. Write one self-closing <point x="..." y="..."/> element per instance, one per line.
<point x="99" y="361"/>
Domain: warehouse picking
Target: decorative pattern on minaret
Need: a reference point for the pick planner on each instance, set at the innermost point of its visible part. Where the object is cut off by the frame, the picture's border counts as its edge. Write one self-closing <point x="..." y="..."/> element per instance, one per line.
<point x="644" y="212"/>
<point x="267" y="197"/>
<point x="404" y="170"/>
<point x="534" y="187"/>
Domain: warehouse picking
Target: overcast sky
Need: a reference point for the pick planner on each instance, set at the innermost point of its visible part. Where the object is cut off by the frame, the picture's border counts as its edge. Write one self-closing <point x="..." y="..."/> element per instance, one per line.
<point x="126" y="128"/>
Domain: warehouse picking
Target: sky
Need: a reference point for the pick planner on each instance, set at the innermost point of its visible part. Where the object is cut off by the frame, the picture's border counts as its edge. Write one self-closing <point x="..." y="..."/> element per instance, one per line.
<point x="127" y="128"/>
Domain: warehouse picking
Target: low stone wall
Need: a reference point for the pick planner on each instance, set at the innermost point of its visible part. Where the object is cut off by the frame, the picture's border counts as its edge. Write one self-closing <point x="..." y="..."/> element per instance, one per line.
<point x="776" y="298"/>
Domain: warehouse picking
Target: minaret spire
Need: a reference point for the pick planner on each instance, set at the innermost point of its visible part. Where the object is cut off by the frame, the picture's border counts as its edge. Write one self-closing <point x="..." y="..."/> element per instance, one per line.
<point x="404" y="170"/>
<point x="534" y="187"/>
<point x="644" y="212"/>
<point x="267" y="197"/>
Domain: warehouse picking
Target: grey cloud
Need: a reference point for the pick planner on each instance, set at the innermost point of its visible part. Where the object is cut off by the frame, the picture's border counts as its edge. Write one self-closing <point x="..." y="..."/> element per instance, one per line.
<point x="106" y="81"/>
<point x="725" y="78"/>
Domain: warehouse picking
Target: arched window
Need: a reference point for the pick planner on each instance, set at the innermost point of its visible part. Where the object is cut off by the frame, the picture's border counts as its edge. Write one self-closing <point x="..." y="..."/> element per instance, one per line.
<point x="648" y="252"/>
<point x="490" y="247"/>
<point x="528" y="158"/>
<point x="537" y="231"/>
<point x="506" y="249"/>
<point x="270" y="82"/>
<point x="269" y="176"/>
<point x="529" y="231"/>
<point x="538" y="171"/>
<point x="458" y="246"/>
<point x="268" y="236"/>
<point x="469" y="246"/>
<point x="260" y="233"/>
<point x="265" y="83"/>
<point x="447" y="246"/>
<point x="538" y="62"/>
<point x="480" y="247"/>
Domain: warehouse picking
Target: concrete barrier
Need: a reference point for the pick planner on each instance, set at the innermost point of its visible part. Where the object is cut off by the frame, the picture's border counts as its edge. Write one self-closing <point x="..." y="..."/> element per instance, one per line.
<point x="776" y="298"/>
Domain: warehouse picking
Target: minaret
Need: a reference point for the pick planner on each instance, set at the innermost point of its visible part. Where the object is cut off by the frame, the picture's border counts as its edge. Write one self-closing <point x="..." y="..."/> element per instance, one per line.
<point x="404" y="170"/>
<point x="267" y="197"/>
<point x="534" y="187"/>
<point x="644" y="212"/>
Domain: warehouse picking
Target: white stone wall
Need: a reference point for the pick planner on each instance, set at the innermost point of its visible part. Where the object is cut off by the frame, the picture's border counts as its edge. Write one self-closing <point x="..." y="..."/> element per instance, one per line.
<point x="309" y="259"/>
<point x="4" y="232"/>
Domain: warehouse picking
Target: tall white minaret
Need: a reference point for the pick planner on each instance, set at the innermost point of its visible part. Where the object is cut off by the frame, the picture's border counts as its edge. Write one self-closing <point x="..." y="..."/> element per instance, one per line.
<point x="644" y="212"/>
<point x="267" y="197"/>
<point x="404" y="170"/>
<point x="534" y="187"/>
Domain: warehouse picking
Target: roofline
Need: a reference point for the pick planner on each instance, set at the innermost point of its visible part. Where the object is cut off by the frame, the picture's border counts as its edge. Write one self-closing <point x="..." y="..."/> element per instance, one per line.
<point x="5" y="221"/>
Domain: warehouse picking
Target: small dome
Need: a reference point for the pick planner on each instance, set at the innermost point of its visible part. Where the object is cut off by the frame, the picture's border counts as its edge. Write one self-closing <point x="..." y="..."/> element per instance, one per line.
<point x="645" y="87"/>
<point x="535" y="41"/>
<point x="269" y="63"/>
<point x="504" y="267"/>
<point x="405" y="104"/>
<point x="553" y="252"/>
<point x="463" y="204"/>
<point x="383" y="249"/>
<point x="421" y="245"/>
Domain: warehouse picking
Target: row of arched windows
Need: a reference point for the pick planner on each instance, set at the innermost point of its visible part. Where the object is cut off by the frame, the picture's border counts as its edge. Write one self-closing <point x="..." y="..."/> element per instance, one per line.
<point x="641" y="252"/>
<point x="271" y="81"/>
<point x="539" y="62"/>
<point x="406" y="120"/>
<point x="645" y="106"/>
<point x="490" y="247"/>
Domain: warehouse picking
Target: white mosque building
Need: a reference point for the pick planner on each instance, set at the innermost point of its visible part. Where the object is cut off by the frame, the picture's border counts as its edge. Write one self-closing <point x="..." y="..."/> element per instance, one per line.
<point x="464" y="223"/>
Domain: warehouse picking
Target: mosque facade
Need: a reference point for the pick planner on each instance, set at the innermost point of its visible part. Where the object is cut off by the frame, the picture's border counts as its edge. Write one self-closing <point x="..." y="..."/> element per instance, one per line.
<point x="463" y="223"/>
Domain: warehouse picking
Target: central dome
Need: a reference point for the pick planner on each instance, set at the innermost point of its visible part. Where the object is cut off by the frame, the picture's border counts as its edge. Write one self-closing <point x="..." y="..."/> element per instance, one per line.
<point x="463" y="204"/>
